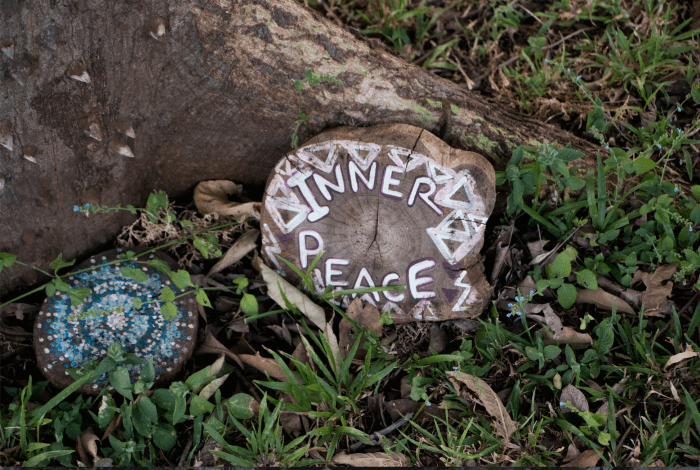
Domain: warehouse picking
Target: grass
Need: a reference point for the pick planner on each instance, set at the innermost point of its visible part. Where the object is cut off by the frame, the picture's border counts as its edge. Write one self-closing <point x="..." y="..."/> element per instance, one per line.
<point x="588" y="353"/>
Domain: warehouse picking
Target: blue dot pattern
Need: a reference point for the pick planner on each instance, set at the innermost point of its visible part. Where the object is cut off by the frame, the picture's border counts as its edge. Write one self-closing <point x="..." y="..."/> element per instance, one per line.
<point x="73" y="335"/>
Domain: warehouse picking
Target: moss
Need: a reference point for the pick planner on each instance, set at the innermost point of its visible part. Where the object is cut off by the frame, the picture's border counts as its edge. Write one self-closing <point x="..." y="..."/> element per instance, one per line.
<point x="434" y="104"/>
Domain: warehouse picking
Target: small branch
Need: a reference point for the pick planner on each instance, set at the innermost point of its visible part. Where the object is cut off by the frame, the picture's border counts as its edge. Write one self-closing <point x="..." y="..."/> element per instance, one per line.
<point x="377" y="435"/>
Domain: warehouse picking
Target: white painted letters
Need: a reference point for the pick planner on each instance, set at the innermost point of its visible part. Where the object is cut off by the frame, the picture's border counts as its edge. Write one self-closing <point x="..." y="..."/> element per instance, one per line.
<point x="354" y="171"/>
<point x="365" y="276"/>
<point x="425" y="196"/>
<point x="388" y="279"/>
<point x="304" y="251"/>
<point x="323" y="184"/>
<point x="330" y="272"/>
<point x="415" y="282"/>
<point x="388" y="181"/>
<point x="298" y="179"/>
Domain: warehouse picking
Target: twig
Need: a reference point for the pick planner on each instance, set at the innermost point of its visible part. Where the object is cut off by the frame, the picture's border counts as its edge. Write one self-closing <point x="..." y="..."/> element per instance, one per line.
<point x="183" y="457"/>
<point x="619" y="443"/>
<point x="375" y="437"/>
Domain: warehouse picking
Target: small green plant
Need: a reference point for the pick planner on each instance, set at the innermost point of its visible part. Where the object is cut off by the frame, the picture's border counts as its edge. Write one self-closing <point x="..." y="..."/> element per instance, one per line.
<point x="312" y="78"/>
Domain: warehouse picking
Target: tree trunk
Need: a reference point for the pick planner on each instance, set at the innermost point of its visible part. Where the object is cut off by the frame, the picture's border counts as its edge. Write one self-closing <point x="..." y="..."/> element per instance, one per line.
<point x="209" y="90"/>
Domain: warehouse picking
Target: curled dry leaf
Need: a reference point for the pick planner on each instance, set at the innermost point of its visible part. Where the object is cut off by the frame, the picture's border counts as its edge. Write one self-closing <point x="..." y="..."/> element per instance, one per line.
<point x="687" y="354"/>
<point x="372" y="459"/>
<point x="570" y="336"/>
<point x="90" y="440"/>
<point x="367" y="315"/>
<point x="265" y="364"/>
<point x="587" y="458"/>
<point x="244" y="245"/>
<point x="489" y="399"/>
<point x="213" y="346"/>
<point x="276" y="284"/>
<point x="211" y="196"/>
<point x="602" y="299"/>
<point x="575" y="396"/>
<point x="537" y="250"/>
<point x="655" y="297"/>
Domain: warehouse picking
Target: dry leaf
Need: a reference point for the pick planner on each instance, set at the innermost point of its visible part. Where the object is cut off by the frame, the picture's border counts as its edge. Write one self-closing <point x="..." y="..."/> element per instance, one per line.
<point x="213" y="346"/>
<point x="588" y="458"/>
<point x="502" y="257"/>
<point x="82" y="453"/>
<point x="367" y="316"/>
<point x="90" y="440"/>
<point x="344" y="338"/>
<point x="211" y="196"/>
<point x="571" y="453"/>
<point x="333" y="343"/>
<point x="276" y="284"/>
<point x="655" y="297"/>
<point x="537" y="250"/>
<point x="575" y="397"/>
<point x="552" y="320"/>
<point x="244" y="245"/>
<point x="674" y="392"/>
<point x="215" y="369"/>
<point x="19" y="310"/>
<point x="602" y="299"/>
<point x="265" y="364"/>
<point x="488" y="398"/>
<point x="300" y="353"/>
<point x="687" y="354"/>
<point x="372" y="459"/>
<point x="438" y="339"/>
<point x="569" y="336"/>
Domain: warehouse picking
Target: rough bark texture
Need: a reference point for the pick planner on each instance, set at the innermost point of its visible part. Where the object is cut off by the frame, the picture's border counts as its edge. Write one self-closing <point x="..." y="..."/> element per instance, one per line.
<point x="209" y="89"/>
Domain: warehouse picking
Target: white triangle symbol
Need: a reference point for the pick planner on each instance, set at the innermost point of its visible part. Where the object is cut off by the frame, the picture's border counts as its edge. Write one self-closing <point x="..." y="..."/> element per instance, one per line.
<point x="325" y="150"/>
<point x="444" y="175"/>
<point x="288" y="202"/>
<point x="354" y="149"/>
<point x="444" y="196"/>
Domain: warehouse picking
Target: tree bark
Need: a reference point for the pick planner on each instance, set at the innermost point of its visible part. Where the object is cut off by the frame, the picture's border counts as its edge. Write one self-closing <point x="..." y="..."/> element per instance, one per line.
<point x="208" y="87"/>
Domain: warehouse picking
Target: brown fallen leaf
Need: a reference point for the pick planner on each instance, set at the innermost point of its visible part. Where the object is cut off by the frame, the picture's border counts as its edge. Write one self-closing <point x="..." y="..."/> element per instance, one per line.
<point x="489" y="399"/>
<point x="537" y="250"/>
<point x="571" y="453"/>
<point x="212" y="196"/>
<point x="502" y="257"/>
<point x="655" y="297"/>
<point x="82" y="453"/>
<point x="371" y="459"/>
<point x="244" y="245"/>
<point x="265" y="364"/>
<point x="18" y="310"/>
<point x="276" y="284"/>
<point x="570" y="336"/>
<point x="575" y="397"/>
<point x="602" y="299"/>
<point x="367" y="315"/>
<point x="687" y="354"/>
<point x="438" y="339"/>
<point x="587" y="458"/>
<point x="90" y="440"/>
<point x="213" y="346"/>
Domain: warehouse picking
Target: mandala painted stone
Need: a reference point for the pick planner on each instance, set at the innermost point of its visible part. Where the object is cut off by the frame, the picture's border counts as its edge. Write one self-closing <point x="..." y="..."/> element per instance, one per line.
<point x="67" y="336"/>
<point x="387" y="205"/>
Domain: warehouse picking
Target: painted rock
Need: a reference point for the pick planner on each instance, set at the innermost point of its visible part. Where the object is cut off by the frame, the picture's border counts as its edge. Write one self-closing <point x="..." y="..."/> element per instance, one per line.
<point x="66" y="336"/>
<point x="386" y="205"/>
